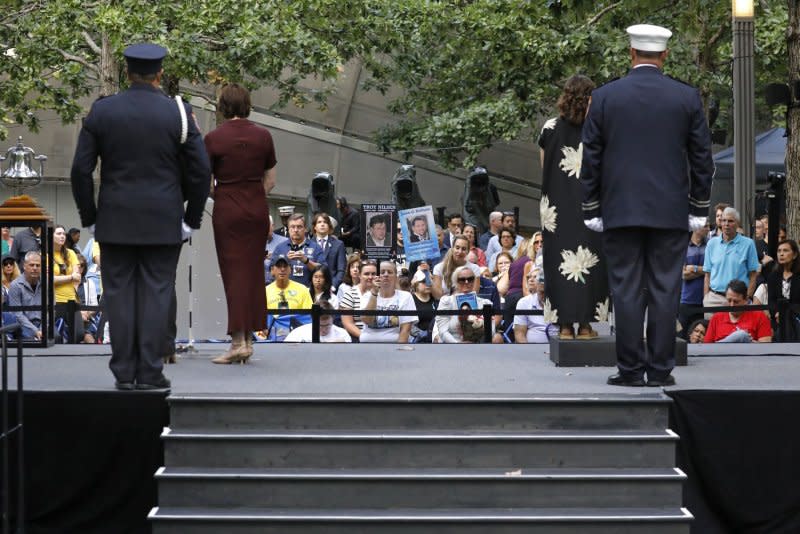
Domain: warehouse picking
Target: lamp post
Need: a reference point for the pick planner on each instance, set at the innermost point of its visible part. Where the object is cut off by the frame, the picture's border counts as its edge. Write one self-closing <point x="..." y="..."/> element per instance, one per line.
<point x="744" y="168"/>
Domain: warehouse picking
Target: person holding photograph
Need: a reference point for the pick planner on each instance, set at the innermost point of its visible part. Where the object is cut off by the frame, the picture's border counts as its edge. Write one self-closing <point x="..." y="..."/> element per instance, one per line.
<point x="466" y="328"/>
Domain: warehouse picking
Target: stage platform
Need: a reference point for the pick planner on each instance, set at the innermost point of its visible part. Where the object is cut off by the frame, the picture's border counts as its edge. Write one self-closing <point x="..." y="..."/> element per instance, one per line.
<point x="290" y="368"/>
<point x="91" y="451"/>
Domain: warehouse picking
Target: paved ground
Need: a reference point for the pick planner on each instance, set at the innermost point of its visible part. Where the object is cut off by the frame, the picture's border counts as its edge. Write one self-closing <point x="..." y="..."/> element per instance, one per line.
<point x="417" y="369"/>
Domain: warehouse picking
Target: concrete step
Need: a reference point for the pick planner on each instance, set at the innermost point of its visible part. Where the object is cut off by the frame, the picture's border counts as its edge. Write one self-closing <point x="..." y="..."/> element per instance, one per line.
<point x="643" y="411"/>
<point x="420" y="489"/>
<point x="348" y="521"/>
<point x="451" y="449"/>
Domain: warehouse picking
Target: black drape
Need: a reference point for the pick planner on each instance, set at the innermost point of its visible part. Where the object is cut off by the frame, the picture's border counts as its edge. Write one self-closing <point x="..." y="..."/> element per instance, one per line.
<point x="90" y="459"/>
<point x="741" y="452"/>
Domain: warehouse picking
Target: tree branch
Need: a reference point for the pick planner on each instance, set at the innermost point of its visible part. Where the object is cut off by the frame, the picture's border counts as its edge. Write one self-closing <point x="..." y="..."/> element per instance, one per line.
<point x="602" y="12"/>
<point x="78" y="59"/>
<point x="89" y="41"/>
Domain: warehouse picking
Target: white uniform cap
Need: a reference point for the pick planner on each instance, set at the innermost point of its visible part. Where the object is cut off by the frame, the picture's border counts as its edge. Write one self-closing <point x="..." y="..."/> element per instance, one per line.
<point x="649" y="38"/>
<point x="285" y="210"/>
<point x="334" y="222"/>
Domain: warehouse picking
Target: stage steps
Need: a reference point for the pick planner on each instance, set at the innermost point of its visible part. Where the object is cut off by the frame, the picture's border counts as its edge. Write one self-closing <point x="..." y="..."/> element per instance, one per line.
<point x="483" y="463"/>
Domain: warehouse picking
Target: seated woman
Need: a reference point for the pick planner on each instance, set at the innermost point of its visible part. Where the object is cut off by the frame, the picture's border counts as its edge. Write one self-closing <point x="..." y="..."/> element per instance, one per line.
<point x="87" y="295"/>
<point x="533" y="328"/>
<point x="697" y="331"/>
<point x="426" y="305"/>
<point x="468" y="327"/>
<point x="508" y="243"/>
<point x="328" y="332"/>
<point x="10" y="273"/>
<point x="738" y="326"/>
<point x="454" y="258"/>
<point x="784" y="283"/>
<point x="471" y="232"/>
<point x="368" y="270"/>
<point x="321" y="286"/>
<point x="350" y="278"/>
<point x="385" y="296"/>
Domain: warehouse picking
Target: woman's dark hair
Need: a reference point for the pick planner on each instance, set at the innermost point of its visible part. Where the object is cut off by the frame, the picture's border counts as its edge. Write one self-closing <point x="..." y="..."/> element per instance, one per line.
<point x="326" y="285"/>
<point x="574" y="99"/>
<point x="477" y="232"/>
<point x="70" y="240"/>
<point x="84" y="264"/>
<point x="795" y="267"/>
<point x="234" y="101"/>
<point x="342" y="202"/>
<point x="693" y="325"/>
<point x="63" y="251"/>
<point x="355" y="257"/>
<point x="506" y="231"/>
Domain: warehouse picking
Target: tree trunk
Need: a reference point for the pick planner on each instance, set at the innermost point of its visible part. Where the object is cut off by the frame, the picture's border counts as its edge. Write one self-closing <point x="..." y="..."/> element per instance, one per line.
<point x="109" y="70"/>
<point x="793" y="144"/>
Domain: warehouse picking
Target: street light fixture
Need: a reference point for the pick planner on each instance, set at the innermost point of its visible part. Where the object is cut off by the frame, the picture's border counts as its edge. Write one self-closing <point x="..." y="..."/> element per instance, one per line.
<point x="744" y="168"/>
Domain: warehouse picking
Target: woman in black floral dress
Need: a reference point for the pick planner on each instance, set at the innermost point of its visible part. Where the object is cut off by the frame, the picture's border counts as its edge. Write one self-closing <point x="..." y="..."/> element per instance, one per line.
<point x="574" y="266"/>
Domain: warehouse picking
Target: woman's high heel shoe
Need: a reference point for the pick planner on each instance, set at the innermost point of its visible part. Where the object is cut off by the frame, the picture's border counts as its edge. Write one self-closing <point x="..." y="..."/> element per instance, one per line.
<point x="235" y="354"/>
<point x="248" y="345"/>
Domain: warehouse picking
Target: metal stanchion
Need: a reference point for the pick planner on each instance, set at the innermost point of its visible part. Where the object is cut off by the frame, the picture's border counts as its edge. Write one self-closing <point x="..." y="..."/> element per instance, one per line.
<point x="315" y="314"/>
<point x="487" y="323"/>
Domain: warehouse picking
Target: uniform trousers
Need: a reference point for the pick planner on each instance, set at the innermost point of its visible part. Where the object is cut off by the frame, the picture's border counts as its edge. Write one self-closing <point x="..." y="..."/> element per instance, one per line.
<point x="644" y="273"/>
<point x="138" y="295"/>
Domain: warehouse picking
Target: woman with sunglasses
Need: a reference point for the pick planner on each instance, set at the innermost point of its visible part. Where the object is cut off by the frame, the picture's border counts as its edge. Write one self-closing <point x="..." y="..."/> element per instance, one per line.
<point x="10" y="273"/>
<point x="443" y="272"/>
<point x="461" y="328"/>
<point x="574" y="265"/>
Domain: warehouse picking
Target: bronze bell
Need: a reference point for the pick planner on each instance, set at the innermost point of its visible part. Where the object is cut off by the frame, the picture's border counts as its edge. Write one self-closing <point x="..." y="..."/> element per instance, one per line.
<point x="20" y="173"/>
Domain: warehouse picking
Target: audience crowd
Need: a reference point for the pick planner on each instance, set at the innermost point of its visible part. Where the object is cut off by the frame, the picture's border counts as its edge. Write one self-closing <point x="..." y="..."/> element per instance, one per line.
<point x="319" y="262"/>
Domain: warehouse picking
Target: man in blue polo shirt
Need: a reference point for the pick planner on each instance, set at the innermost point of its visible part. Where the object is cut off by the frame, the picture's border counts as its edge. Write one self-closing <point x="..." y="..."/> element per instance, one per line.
<point x="729" y="256"/>
<point x="304" y="255"/>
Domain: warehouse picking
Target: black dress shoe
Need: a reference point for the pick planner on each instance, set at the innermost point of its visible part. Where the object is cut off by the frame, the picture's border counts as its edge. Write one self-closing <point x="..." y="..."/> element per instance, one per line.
<point x="621" y="380"/>
<point x="124" y="386"/>
<point x="668" y="380"/>
<point x="162" y="383"/>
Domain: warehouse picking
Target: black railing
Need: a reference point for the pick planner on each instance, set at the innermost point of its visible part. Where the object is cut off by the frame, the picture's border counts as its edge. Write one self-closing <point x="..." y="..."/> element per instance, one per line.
<point x="9" y="432"/>
<point x="782" y="306"/>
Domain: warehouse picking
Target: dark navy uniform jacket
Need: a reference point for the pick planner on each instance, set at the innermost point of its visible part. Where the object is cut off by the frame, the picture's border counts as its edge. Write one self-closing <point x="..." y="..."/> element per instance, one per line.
<point x="646" y="153"/>
<point x="145" y="174"/>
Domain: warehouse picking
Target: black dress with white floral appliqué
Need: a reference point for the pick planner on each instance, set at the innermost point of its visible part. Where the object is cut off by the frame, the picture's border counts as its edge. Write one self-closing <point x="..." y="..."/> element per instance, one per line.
<point x="576" y="282"/>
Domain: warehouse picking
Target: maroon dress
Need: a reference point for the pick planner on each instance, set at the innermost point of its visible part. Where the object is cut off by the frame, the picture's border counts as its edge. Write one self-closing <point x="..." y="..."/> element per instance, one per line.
<point x="240" y="153"/>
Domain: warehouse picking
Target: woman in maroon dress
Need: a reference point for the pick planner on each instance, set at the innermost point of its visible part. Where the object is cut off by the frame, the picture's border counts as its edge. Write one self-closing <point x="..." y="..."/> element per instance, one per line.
<point x="243" y="165"/>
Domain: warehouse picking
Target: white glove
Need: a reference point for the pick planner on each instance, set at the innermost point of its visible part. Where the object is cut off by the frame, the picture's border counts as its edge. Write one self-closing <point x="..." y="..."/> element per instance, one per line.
<point x="91" y="230"/>
<point x="186" y="231"/>
<point x="594" y="224"/>
<point x="696" y="223"/>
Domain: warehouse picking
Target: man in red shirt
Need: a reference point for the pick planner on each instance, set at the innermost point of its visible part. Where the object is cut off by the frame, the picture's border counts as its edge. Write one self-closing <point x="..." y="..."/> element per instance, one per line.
<point x="741" y="326"/>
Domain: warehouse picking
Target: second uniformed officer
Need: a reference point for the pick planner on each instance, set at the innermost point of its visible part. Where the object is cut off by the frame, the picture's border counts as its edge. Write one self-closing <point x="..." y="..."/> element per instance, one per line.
<point x="647" y="171"/>
<point x="153" y="159"/>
